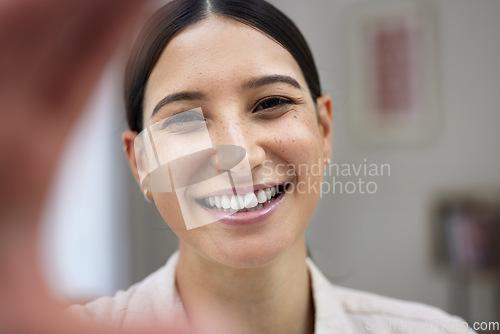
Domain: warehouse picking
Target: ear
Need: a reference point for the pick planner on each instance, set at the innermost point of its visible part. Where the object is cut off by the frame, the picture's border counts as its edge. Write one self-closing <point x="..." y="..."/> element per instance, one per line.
<point x="128" y="138"/>
<point x="324" y="105"/>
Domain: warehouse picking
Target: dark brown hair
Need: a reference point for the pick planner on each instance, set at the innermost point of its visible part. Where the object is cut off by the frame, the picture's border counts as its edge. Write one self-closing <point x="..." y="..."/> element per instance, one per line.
<point x="178" y="14"/>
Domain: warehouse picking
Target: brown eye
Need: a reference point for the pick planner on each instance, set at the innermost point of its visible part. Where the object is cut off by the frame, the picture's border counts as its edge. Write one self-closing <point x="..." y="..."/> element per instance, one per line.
<point x="273" y="102"/>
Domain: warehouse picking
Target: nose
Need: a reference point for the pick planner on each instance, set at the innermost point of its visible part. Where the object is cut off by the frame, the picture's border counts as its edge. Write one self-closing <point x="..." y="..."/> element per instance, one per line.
<point x="234" y="130"/>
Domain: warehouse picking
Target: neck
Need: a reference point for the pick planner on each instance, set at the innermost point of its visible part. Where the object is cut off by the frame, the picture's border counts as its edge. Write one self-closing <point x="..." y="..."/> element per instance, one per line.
<point x="275" y="298"/>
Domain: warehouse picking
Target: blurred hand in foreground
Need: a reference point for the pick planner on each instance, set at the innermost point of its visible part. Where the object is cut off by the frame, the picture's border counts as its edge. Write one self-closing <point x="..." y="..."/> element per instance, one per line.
<point x="52" y="55"/>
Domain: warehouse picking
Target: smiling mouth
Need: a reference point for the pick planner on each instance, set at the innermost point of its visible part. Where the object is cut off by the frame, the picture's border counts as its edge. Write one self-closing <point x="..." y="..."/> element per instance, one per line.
<point x="247" y="202"/>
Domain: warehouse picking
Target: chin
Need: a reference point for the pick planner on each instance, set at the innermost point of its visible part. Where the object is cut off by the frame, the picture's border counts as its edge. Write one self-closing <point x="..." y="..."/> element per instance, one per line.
<point x="253" y="253"/>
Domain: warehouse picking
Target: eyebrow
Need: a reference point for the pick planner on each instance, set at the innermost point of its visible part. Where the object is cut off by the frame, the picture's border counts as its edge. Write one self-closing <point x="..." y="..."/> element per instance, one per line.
<point x="272" y="79"/>
<point x="182" y="96"/>
<point x="252" y="84"/>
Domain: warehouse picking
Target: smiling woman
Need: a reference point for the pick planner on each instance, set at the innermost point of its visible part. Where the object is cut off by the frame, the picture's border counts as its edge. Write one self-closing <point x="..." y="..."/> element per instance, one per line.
<point x="223" y="101"/>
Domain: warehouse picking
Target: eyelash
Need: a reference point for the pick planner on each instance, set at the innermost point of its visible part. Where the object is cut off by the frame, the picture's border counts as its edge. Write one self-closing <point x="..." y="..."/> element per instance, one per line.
<point x="281" y="102"/>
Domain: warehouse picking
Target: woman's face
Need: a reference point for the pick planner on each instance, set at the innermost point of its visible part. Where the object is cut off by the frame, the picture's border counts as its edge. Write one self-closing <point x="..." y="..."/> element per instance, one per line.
<point x="253" y="95"/>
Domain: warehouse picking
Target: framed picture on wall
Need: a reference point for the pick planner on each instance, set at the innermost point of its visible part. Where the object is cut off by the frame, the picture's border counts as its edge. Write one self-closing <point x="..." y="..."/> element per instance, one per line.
<point x="393" y="80"/>
<point x="466" y="231"/>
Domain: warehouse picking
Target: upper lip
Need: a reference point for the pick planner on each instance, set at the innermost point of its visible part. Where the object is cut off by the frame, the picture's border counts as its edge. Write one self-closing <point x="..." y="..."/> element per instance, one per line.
<point x="239" y="190"/>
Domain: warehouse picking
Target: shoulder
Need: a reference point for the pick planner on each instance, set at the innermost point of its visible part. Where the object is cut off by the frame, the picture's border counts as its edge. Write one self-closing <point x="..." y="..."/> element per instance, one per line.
<point x="375" y="313"/>
<point x="139" y="304"/>
<point x="364" y="312"/>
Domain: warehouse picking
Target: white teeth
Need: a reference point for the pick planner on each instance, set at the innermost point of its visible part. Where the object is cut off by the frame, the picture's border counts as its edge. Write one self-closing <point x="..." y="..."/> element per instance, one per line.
<point x="261" y="196"/>
<point x="268" y="193"/>
<point x="241" y="201"/>
<point x="217" y="201"/>
<point x="225" y="202"/>
<point x="251" y="200"/>
<point x="237" y="202"/>
<point x="234" y="203"/>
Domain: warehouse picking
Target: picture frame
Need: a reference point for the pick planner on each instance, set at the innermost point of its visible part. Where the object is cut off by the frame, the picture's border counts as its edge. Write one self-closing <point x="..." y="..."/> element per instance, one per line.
<point x="392" y="66"/>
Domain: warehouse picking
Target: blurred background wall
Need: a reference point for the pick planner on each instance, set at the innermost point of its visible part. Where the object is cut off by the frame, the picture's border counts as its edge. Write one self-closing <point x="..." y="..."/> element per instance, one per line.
<point x="100" y="235"/>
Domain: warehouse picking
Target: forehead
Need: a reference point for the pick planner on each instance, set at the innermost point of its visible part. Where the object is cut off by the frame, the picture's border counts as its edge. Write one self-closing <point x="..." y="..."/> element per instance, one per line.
<point x="217" y="55"/>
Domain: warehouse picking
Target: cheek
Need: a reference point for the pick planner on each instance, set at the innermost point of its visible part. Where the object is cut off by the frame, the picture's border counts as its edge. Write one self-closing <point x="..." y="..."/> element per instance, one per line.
<point x="298" y="144"/>
<point x="297" y="139"/>
<point x="169" y="208"/>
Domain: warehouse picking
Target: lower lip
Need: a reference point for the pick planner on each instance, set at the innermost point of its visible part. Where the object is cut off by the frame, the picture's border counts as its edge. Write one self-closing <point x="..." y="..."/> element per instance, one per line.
<point x="247" y="218"/>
